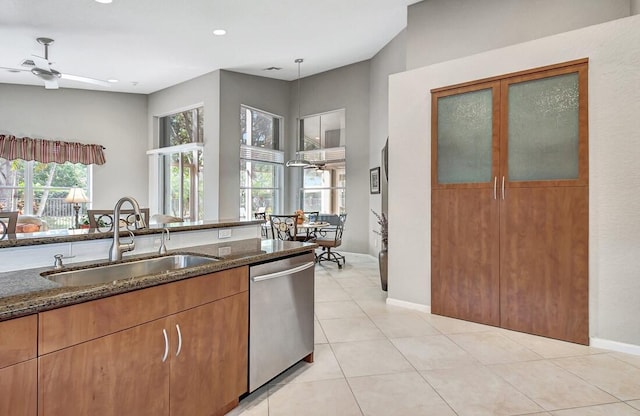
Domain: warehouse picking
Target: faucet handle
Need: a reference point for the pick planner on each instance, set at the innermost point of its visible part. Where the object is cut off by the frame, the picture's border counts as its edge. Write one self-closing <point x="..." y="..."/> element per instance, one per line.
<point x="163" y="247"/>
<point x="130" y="246"/>
<point x="57" y="263"/>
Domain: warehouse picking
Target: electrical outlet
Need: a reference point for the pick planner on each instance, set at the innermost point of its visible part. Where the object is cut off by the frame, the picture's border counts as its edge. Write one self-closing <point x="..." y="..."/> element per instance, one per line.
<point x="224" y="251"/>
<point x="224" y="233"/>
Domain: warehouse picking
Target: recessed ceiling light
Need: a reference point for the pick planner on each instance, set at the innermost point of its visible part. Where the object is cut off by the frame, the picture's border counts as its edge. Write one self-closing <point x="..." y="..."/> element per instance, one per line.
<point x="219" y="32"/>
<point x="112" y="80"/>
<point x="104" y="1"/>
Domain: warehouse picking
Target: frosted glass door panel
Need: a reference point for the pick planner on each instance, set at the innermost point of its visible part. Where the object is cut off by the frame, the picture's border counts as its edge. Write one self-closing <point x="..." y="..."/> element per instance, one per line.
<point x="465" y="135"/>
<point x="543" y="129"/>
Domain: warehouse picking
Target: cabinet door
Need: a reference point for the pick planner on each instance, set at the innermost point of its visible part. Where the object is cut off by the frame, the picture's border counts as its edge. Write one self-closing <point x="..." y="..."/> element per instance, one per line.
<point x="18" y="366"/>
<point x="465" y="209"/>
<point x="209" y="357"/>
<point x="118" y="374"/>
<point x="544" y="212"/>
<point x="18" y="389"/>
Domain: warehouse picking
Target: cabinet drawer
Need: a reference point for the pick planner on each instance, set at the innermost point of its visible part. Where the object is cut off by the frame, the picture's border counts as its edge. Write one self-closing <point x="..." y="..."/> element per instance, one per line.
<point x="71" y="325"/>
<point x="18" y="340"/>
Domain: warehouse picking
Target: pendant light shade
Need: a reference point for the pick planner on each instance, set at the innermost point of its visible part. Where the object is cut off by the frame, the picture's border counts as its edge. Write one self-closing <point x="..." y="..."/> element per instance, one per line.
<point x="299" y="161"/>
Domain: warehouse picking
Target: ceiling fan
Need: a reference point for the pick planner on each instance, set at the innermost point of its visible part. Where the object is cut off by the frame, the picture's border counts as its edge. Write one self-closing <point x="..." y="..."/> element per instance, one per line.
<point x="41" y="67"/>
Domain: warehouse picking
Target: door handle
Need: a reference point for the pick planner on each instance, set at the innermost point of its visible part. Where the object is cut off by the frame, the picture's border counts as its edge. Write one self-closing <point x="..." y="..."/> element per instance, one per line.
<point x="503" y="187"/>
<point x="166" y="345"/>
<point x="179" y="340"/>
<point x="495" y="188"/>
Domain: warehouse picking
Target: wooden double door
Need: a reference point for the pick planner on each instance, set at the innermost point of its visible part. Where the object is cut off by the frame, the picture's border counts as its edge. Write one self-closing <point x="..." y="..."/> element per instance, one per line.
<point x="509" y="236"/>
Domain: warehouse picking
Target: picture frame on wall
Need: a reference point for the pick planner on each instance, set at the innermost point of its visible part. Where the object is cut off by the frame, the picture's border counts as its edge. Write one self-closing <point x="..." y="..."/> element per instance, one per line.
<point x="374" y="180"/>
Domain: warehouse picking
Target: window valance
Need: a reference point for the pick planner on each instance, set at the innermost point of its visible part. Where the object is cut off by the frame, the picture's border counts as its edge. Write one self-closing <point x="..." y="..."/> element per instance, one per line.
<point x="46" y="151"/>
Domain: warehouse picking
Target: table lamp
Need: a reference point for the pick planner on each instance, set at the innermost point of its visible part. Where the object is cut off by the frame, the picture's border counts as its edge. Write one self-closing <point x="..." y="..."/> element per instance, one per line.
<point x="76" y="196"/>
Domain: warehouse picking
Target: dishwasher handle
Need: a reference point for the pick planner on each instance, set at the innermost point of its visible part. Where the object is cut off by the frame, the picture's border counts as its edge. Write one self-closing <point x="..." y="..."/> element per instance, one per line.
<point x="284" y="272"/>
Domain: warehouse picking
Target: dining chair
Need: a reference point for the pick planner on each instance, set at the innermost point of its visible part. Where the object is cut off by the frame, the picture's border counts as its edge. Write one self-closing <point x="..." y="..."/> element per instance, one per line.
<point x="284" y="227"/>
<point x="264" y="228"/>
<point x="102" y="219"/>
<point x="330" y="238"/>
<point x="8" y="221"/>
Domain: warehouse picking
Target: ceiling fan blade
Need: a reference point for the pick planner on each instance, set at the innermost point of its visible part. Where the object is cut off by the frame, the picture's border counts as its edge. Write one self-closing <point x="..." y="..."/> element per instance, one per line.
<point x="86" y="80"/>
<point x="51" y="85"/>
<point x="14" y="69"/>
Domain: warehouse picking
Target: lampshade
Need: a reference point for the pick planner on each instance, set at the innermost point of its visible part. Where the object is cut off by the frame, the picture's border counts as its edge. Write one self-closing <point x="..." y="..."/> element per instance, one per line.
<point x="76" y="195"/>
<point x="298" y="162"/>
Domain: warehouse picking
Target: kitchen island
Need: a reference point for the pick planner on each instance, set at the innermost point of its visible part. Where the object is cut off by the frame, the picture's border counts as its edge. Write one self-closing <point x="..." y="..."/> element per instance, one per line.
<point x="169" y="343"/>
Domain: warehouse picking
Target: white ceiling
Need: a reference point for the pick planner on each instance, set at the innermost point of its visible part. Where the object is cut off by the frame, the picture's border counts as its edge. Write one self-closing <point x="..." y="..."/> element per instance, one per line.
<point x="149" y="45"/>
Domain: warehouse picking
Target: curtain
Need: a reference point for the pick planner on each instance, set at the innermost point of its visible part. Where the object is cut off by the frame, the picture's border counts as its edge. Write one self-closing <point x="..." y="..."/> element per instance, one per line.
<point x="46" y="151"/>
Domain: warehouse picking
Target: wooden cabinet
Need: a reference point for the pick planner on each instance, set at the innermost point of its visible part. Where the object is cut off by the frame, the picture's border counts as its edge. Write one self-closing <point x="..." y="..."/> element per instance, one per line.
<point x="190" y="360"/>
<point x="509" y="202"/>
<point x="18" y="366"/>
<point x="209" y="368"/>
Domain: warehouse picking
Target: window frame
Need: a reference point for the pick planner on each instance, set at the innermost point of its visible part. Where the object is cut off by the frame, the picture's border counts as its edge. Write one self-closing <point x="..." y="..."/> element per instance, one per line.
<point x="328" y="158"/>
<point x="66" y="220"/>
<point x="269" y="155"/>
<point x="162" y="159"/>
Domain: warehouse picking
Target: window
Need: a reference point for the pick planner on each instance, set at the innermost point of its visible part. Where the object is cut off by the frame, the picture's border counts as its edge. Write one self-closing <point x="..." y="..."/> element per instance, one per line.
<point x="261" y="162"/>
<point x="35" y="188"/>
<point x="322" y="141"/>
<point x="181" y="163"/>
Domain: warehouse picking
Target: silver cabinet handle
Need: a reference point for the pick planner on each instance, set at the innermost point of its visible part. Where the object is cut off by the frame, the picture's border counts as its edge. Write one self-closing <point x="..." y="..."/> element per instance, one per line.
<point x="503" y="187"/>
<point x="179" y="340"/>
<point x="166" y="345"/>
<point x="495" y="187"/>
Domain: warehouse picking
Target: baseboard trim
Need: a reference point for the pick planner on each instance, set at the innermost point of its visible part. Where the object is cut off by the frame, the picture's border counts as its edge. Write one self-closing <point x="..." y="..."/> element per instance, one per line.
<point x="409" y="305"/>
<point x="615" y="346"/>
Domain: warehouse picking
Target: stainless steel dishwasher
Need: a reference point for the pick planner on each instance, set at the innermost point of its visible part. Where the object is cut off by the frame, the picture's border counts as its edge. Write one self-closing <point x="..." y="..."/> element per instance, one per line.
<point x="281" y="295"/>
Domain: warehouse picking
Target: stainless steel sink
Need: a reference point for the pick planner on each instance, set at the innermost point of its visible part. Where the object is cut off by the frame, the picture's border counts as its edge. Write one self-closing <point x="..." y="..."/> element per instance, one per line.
<point x="113" y="272"/>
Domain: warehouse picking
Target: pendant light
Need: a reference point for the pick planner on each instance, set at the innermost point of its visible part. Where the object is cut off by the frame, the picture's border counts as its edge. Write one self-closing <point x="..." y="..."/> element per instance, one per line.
<point x="298" y="162"/>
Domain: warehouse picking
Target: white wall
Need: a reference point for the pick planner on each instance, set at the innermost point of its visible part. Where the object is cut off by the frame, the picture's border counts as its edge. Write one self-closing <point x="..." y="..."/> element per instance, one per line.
<point x="614" y="224"/>
<point x="390" y="60"/>
<point x="346" y="87"/>
<point x="114" y="120"/>
<point x="440" y="30"/>
<point x="236" y="89"/>
<point x="204" y="91"/>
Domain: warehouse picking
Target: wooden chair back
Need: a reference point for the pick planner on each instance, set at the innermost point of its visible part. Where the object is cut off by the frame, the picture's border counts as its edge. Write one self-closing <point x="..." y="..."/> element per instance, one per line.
<point x="8" y="221"/>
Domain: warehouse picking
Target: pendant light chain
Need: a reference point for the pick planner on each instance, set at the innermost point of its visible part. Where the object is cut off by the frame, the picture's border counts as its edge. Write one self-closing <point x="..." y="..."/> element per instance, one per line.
<point x="298" y="162"/>
<point x="298" y="61"/>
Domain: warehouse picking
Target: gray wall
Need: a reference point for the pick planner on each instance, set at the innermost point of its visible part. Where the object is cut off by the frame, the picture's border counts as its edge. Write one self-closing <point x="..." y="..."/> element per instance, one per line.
<point x="204" y="91"/>
<point x="114" y="120"/>
<point x="440" y="30"/>
<point x="236" y="89"/>
<point x="348" y="88"/>
<point x="390" y="60"/>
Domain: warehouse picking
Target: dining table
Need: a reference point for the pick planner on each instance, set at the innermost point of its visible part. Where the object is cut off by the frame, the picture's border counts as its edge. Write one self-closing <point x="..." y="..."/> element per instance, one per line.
<point x="311" y="229"/>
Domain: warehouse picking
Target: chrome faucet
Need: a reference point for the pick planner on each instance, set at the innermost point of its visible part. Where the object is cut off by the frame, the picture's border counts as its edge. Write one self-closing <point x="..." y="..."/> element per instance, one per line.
<point x="163" y="247"/>
<point x="116" y="250"/>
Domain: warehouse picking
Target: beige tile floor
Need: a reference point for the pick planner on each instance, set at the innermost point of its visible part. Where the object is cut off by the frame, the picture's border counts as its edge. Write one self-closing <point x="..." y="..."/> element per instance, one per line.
<point x="376" y="359"/>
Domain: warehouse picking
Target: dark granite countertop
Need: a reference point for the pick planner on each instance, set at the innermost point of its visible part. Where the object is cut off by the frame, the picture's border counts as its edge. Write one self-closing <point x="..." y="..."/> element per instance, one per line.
<point x="25" y="292"/>
<point x="66" y="236"/>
